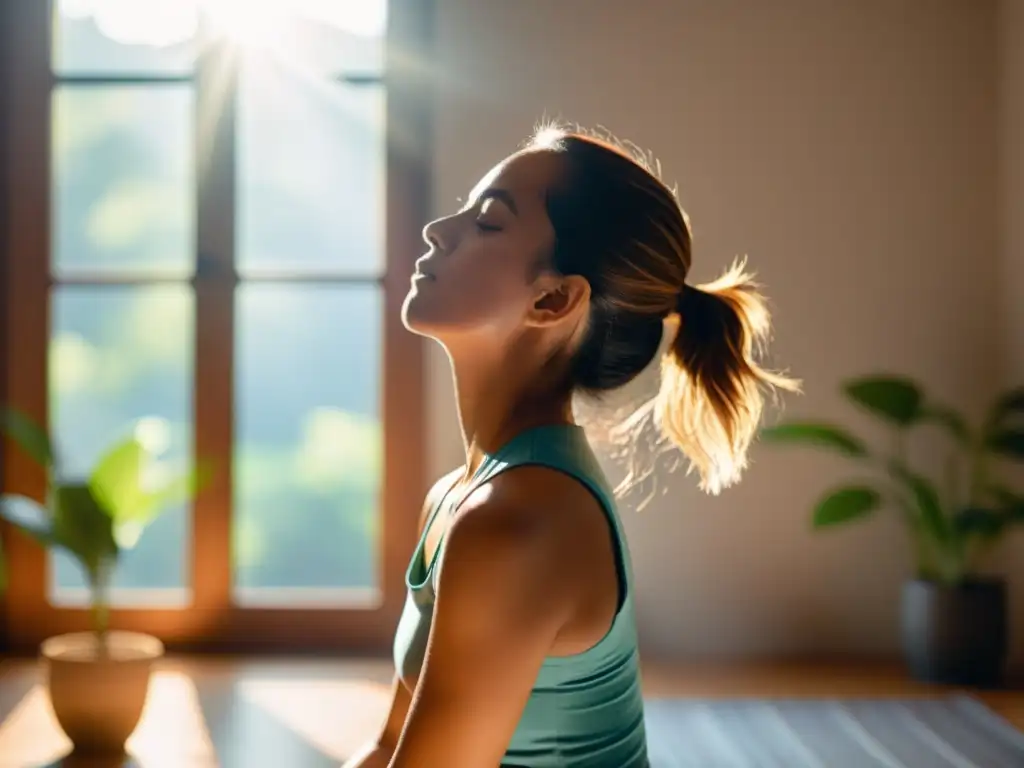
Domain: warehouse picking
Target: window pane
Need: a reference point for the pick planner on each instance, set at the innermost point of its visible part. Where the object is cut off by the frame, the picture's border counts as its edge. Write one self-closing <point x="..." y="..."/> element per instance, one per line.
<point x="128" y="37"/>
<point x="117" y="355"/>
<point x="311" y="173"/>
<point x="332" y="37"/>
<point x="317" y="37"/>
<point x="123" y="180"/>
<point x="308" y="456"/>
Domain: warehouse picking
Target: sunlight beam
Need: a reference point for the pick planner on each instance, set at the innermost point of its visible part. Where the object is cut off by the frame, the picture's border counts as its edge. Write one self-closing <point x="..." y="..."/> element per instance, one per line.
<point x="249" y="23"/>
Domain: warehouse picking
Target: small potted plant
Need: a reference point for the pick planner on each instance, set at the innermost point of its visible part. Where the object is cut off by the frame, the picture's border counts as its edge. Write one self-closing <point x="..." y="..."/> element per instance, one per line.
<point x="954" y="618"/>
<point x="97" y="681"/>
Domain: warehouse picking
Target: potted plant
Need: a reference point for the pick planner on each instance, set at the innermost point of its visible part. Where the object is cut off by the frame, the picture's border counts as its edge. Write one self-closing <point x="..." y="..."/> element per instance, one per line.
<point x="953" y="618"/>
<point x="98" y="680"/>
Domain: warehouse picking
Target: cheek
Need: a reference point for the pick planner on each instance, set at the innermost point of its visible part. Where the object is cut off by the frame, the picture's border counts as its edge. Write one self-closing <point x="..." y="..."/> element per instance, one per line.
<point x="486" y="294"/>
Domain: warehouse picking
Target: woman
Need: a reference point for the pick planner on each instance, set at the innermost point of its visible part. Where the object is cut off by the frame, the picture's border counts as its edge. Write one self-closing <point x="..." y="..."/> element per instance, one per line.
<point x="517" y="645"/>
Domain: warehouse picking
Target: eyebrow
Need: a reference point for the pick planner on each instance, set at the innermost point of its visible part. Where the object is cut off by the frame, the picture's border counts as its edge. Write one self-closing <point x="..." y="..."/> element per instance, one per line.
<point x="499" y="194"/>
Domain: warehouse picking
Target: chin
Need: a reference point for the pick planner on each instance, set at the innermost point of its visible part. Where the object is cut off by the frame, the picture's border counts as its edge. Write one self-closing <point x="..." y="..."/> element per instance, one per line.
<point x="416" y="313"/>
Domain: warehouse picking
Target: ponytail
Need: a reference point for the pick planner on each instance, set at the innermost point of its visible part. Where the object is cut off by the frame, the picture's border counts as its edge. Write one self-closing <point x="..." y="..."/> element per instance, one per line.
<point x="712" y="390"/>
<point x="621" y="228"/>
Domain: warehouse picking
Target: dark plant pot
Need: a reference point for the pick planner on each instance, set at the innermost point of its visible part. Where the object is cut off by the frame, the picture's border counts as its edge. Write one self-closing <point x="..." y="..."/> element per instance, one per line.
<point x="956" y="635"/>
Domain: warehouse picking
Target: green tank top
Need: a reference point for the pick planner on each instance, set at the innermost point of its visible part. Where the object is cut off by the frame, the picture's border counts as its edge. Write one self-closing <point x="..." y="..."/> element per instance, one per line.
<point x="585" y="709"/>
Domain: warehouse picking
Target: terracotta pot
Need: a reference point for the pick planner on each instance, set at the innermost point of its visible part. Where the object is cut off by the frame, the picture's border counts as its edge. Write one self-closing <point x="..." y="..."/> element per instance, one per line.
<point x="98" y="694"/>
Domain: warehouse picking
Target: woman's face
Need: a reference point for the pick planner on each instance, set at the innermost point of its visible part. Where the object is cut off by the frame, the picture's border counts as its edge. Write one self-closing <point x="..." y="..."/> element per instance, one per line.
<point x="482" y="277"/>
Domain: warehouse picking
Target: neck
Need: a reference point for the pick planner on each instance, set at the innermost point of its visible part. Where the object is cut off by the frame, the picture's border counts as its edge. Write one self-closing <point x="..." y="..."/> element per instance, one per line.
<point x="498" y="397"/>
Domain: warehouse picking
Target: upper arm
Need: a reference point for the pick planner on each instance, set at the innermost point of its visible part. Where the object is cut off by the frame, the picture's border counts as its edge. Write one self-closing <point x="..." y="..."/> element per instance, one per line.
<point x="499" y="606"/>
<point x="400" y="696"/>
<point x="400" y="701"/>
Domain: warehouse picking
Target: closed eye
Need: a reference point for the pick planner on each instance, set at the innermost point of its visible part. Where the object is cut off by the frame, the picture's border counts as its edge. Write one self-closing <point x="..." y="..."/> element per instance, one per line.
<point x="485" y="227"/>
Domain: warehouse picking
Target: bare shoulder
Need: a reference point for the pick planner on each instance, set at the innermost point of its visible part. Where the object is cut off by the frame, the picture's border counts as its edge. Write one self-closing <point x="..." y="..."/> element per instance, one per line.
<point x="534" y="522"/>
<point x="549" y="503"/>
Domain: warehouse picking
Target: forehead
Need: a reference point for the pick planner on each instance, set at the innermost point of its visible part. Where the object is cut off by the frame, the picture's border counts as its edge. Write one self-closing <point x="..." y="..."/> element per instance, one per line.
<point x="526" y="176"/>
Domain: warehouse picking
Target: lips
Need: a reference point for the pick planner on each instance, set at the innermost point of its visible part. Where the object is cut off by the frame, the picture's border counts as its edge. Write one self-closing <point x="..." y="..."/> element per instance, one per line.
<point x="423" y="269"/>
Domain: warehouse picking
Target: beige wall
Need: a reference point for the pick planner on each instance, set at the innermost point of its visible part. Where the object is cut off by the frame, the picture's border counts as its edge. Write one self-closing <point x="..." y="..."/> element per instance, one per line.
<point x="1011" y="145"/>
<point x="1011" y="234"/>
<point x="848" y="149"/>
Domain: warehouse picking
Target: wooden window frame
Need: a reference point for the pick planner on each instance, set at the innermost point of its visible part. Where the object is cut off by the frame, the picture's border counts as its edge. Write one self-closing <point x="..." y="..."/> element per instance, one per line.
<point x="213" y="621"/>
<point x="6" y="110"/>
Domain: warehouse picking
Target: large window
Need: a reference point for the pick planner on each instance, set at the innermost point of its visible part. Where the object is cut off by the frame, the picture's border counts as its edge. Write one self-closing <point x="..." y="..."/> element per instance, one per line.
<point x="220" y="208"/>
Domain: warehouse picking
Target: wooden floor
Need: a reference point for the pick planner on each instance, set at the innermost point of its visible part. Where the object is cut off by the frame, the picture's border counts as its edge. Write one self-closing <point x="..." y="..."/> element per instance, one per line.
<point x="312" y="714"/>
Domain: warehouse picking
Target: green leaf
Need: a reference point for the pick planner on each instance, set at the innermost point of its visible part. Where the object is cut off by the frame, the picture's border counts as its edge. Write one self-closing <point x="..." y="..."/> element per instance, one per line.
<point x="29" y="436"/>
<point x="127" y="534"/>
<point x="29" y="516"/>
<point x="926" y="501"/>
<point x="180" y="489"/>
<point x="948" y="418"/>
<point x="1010" y="402"/>
<point x="1007" y="442"/>
<point x="82" y="526"/>
<point x="129" y="527"/>
<point x="117" y="478"/>
<point x="845" y="505"/>
<point x="978" y="521"/>
<point x="821" y="435"/>
<point x="893" y="398"/>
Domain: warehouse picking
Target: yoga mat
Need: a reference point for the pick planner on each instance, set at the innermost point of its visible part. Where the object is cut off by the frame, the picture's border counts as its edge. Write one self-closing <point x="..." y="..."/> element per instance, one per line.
<point x="951" y="732"/>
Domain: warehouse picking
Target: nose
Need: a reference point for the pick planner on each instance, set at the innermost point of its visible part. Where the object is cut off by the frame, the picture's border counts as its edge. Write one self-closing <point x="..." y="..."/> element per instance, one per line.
<point x="432" y="234"/>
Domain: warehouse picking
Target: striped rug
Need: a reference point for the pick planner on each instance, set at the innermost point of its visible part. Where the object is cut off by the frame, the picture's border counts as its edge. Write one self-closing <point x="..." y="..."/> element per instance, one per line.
<point x="954" y="732"/>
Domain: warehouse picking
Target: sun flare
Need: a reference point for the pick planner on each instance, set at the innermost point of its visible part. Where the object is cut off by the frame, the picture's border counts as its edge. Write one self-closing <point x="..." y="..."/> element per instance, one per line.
<point x="246" y="23"/>
<point x="250" y="23"/>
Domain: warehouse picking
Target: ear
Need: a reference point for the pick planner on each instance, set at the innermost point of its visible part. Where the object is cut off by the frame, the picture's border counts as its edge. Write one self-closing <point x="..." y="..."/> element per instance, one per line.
<point x="559" y="296"/>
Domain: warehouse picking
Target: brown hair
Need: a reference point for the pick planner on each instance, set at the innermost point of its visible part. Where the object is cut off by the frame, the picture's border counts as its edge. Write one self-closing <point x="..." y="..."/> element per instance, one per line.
<point x="619" y="226"/>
